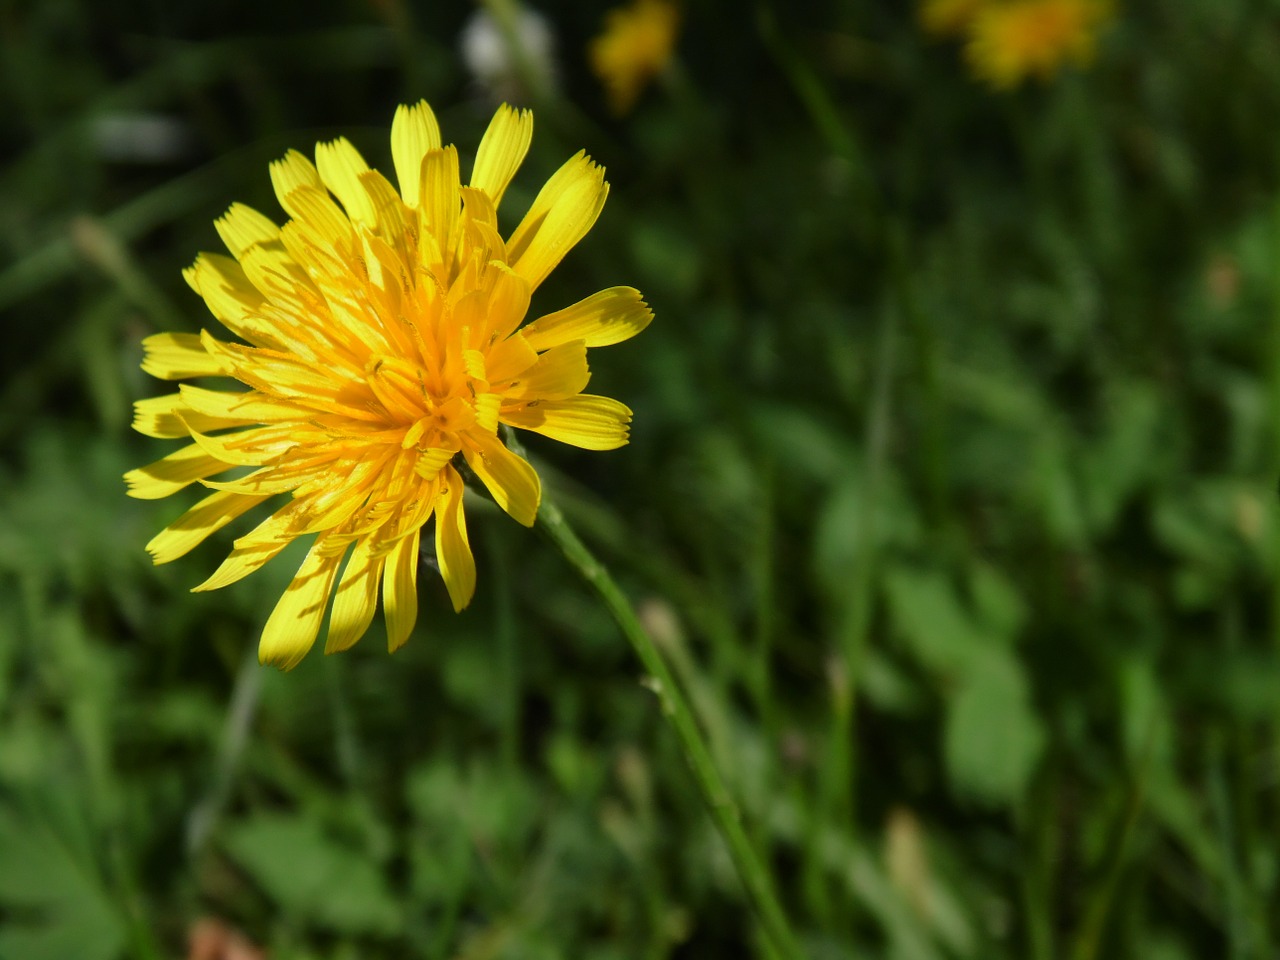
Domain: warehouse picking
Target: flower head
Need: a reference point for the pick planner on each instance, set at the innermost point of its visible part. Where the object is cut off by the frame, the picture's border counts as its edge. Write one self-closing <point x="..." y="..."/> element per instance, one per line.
<point x="383" y="343"/>
<point x="1013" y="40"/>
<point x="946" y="18"/>
<point x="634" y="47"/>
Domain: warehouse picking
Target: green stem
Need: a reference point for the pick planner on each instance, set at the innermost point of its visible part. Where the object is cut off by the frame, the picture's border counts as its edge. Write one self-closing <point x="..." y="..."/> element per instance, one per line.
<point x="1038" y="822"/>
<point x="506" y="16"/>
<point x="1088" y="941"/>
<point x="508" y="659"/>
<point x="1274" y="350"/>
<point x="836" y="800"/>
<point x="675" y="709"/>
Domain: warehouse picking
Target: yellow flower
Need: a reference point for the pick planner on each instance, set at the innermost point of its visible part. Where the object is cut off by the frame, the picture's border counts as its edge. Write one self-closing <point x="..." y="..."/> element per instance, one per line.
<point x="946" y="18"/>
<point x="384" y="341"/>
<point x="634" y="47"/>
<point x="1011" y="41"/>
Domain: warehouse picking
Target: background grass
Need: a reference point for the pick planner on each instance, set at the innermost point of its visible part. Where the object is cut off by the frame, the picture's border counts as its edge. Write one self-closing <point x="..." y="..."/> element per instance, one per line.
<point x="951" y="495"/>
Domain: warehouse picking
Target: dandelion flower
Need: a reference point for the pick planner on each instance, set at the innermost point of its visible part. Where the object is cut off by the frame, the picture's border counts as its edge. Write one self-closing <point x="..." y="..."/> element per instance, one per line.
<point x="949" y="18"/>
<point x="1009" y="42"/>
<point x="383" y="345"/>
<point x="634" y="47"/>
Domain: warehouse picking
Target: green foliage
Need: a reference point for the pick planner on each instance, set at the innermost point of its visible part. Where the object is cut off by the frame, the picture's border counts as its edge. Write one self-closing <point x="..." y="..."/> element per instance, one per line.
<point x="951" y="498"/>
<point x="60" y="907"/>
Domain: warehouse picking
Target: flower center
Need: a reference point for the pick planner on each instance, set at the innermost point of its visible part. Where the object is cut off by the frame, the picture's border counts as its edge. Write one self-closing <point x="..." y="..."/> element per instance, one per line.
<point x="400" y="386"/>
<point x="431" y="417"/>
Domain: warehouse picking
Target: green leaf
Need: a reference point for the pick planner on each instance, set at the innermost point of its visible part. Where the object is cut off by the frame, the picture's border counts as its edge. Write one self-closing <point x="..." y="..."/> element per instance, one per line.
<point x="887" y="685"/>
<point x="929" y="616"/>
<point x="666" y="252"/>
<point x="491" y="806"/>
<point x="993" y="739"/>
<point x="1199" y="524"/>
<point x="312" y="876"/>
<point x="1059" y="491"/>
<point x="57" y="903"/>
<point x="997" y="600"/>
<point x="1126" y="456"/>
<point x="807" y="446"/>
<point x="846" y="532"/>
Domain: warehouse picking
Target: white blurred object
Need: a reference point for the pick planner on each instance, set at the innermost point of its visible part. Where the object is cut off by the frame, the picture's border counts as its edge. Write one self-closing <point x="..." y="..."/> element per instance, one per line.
<point x="504" y="74"/>
<point x="140" y="138"/>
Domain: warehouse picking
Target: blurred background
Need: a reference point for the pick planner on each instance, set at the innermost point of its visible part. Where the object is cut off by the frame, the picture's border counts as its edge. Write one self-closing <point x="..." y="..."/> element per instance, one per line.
<point x="951" y="494"/>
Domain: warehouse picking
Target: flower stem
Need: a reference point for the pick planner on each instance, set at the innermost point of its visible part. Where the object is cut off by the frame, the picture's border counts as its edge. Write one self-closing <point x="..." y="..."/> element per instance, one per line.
<point x="675" y="708"/>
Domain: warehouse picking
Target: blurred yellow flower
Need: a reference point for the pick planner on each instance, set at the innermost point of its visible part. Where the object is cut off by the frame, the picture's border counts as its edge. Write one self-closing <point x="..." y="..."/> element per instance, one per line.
<point x="948" y="18"/>
<point x="384" y="342"/>
<point x="1010" y="41"/>
<point x="634" y="47"/>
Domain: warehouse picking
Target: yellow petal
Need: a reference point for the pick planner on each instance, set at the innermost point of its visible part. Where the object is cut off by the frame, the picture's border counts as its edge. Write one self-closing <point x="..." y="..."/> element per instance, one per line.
<point x="287" y="376"/>
<point x="248" y="406"/>
<point x="430" y="463"/>
<point x="356" y="600"/>
<point x="241" y="227"/>
<point x="255" y="548"/>
<point x="290" y="172"/>
<point x="414" y="132"/>
<point x="587" y="421"/>
<point x="233" y="299"/>
<point x="271" y="268"/>
<point x="292" y="627"/>
<point x="347" y="325"/>
<point x="487" y="408"/>
<point x="230" y="293"/>
<point x="246" y="448"/>
<point x="604" y="318"/>
<point x="398" y="385"/>
<point x="501" y="151"/>
<point x="197" y="524"/>
<point x="341" y="496"/>
<point x="478" y="207"/>
<point x="483" y="242"/>
<point x="506" y="305"/>
<point x="512" y="481"/>
<point x="453" y="549"/>
<point x="439" y="202"/>
<point x="175" y="356"/>
<point x="170" y="417"/>
<point x="473" y="364"/>
<point x="389" y="276"/>
<point x="466" y="309"/>
<point x="340" y="166"/>
<point x="157" y="416"/>
<point x="268" y="481"/>
<point x="561" y="215"/>
<point x="322" y="220"/>
<point x="509" y="358"/>
<point x="178" y="470"/>
<point x="238" y="564"/>
<point x="389" y="212"/>
<point x="560" y="372"/>
<point x="400" y="590"/>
